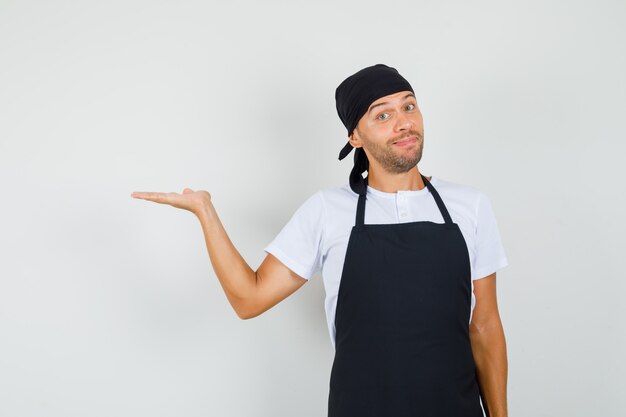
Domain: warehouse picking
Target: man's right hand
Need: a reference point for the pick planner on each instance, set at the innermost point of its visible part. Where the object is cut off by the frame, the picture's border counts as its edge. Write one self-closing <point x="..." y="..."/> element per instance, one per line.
<point x="193" y="201"/>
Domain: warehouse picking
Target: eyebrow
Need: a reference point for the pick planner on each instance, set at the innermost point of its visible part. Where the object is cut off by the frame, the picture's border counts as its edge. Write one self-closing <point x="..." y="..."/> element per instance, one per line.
<point x="385" y="102"/>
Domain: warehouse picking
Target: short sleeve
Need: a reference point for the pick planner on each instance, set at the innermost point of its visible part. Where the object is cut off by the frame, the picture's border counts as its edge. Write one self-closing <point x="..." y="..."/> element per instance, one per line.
<point x="489" y="251"/>
<point x="298" y="244"/>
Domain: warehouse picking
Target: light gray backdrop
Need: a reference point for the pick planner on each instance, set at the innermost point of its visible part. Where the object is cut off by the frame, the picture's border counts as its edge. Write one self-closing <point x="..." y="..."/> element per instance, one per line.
<point x="109" y="305"/>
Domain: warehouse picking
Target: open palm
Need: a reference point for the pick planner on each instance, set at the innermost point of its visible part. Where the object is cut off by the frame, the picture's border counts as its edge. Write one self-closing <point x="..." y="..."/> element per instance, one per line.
<point x="189" y="199"/>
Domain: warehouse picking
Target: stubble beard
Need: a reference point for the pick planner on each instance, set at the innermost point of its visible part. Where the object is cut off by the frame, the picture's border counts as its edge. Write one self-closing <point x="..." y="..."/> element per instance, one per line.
<point x="396" y="161"/>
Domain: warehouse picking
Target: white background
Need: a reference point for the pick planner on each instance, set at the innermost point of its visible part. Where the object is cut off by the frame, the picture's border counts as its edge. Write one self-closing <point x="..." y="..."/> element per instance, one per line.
<point x="109" y="305"/>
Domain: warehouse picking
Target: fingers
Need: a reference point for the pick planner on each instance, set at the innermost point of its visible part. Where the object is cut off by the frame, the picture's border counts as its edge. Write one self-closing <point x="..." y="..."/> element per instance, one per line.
<point x="151" y="196"/>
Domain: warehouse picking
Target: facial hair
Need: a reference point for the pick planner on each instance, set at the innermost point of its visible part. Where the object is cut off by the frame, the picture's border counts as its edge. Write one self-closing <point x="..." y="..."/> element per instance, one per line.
<point x="395" y="161"/>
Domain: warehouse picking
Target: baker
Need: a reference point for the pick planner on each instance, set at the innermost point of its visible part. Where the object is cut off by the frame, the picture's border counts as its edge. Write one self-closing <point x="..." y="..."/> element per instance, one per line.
<point x="409" y="265"/>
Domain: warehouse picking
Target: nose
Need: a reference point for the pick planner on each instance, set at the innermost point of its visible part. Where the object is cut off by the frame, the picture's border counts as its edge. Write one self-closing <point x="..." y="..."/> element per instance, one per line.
<point x="403" y="122"/>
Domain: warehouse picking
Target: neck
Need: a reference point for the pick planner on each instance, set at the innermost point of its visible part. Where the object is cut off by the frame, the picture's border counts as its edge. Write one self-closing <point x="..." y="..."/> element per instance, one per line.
<point x="391" y="183"/>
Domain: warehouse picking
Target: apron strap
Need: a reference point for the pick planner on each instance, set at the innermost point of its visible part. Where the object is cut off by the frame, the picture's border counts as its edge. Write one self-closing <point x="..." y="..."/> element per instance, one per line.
<point x="360" y="208"/>
<point x="438" y="200"/>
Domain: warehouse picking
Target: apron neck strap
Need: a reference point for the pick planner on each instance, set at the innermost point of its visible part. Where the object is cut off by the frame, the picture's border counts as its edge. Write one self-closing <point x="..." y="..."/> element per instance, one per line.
<point x="360" y="208"/>
<point x="438" y="200"/>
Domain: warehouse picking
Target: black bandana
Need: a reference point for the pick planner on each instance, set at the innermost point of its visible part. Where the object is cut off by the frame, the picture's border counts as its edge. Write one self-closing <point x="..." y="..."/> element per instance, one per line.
<point x="353" y="97"/>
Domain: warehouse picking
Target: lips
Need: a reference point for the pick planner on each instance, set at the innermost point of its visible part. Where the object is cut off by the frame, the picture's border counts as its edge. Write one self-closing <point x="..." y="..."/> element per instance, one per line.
<point x="406" y="141"/>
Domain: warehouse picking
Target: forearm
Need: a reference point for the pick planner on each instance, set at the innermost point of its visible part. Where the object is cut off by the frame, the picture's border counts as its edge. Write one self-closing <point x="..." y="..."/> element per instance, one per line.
<point x="238" y="280"/>
<point x="489" y="350"/>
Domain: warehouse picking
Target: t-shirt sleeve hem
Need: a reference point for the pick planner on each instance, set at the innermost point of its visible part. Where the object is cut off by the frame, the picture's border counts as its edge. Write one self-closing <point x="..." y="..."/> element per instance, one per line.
<point x="295" y="266"/>
<point x="490" y="269"/>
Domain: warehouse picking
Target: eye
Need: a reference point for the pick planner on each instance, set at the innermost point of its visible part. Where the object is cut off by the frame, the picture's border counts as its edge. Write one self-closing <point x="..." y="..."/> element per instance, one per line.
<point x="411" y="105"/>
<point x="382" y="114"/>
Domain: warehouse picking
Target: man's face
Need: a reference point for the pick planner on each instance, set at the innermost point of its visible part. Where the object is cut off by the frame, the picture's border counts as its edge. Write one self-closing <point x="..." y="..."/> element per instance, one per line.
<point x="388" y="121"/>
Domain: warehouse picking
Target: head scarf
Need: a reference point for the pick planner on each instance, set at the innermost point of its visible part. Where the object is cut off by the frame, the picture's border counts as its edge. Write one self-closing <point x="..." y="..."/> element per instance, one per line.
<point x="353" y="97"/>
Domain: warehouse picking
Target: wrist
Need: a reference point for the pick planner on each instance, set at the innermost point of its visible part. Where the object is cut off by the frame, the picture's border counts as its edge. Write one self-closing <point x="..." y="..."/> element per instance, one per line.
<point x="206" y="211"/>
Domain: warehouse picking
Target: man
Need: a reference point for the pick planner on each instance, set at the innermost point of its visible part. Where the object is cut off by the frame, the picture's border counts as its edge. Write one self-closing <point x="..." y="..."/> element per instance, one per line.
<point x="409" y="266"/>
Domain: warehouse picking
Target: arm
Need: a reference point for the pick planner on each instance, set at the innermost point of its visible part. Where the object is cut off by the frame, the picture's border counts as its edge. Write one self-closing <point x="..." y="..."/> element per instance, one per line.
<point x="249" y="292"/>
<point x="489" y="347"/>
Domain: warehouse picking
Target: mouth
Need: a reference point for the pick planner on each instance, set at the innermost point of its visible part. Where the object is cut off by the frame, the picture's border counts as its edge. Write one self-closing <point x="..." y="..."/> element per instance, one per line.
<point x="406" y="141"/>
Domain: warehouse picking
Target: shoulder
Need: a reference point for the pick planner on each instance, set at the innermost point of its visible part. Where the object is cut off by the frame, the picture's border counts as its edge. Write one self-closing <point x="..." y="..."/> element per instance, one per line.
<point x="338" y="198"/>
<point x="458" y="192"/>
<point x="467" y="201"/>
<point x="326" y="202"/>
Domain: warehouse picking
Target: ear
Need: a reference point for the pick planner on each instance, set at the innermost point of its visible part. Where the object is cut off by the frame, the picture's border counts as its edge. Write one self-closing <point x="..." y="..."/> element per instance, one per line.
<point x="355" y="140"/>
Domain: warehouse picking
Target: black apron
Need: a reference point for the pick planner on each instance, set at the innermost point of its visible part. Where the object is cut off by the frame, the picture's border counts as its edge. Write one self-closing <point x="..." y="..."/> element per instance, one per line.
<point x="402" y="346"/>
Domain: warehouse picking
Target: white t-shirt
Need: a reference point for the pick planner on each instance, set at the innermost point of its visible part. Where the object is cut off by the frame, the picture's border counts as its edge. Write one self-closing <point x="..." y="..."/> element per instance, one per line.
<point x="316" y="237"/>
